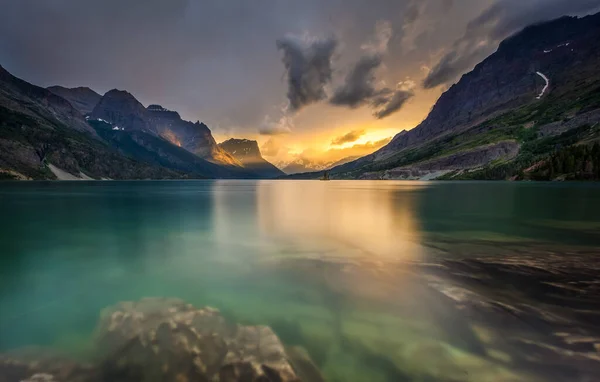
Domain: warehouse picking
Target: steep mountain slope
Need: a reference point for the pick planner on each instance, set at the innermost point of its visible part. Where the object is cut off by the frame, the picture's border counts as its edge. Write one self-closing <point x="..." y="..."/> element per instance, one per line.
<point x="248" y="154"/>
<point x="158" y="151"/>
<point x="37" y="102"/>
<point x="123" y="110"/>
<point x="120" y="108"/>
<point x="83" y="99"/>
<point x="42" y="135"/>
<point x="194" y="137"/>
<point x="540" y="83"/>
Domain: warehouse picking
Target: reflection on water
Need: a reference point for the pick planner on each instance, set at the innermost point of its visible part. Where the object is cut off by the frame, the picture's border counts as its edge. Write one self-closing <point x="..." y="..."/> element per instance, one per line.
<point x="377" y="281"/>
<point x="376" y="221"/>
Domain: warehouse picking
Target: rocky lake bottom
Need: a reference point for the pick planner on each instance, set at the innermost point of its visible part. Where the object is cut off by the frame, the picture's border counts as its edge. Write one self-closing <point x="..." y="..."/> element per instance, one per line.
<point x="299" y="281"/>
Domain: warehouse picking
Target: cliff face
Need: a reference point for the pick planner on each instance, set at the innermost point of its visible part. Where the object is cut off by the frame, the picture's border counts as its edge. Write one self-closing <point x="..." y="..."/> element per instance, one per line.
<point x="42" y="136"/>
<point x="82" y="98"/>
<point x="566" y="52"/>
<point x="248" y="154"/>
<point x="194" y="137"/>
<point x="123" y="110"/>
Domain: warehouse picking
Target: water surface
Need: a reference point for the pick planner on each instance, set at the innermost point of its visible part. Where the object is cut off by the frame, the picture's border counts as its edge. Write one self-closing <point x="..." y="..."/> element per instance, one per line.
<point x="378" y="281"/>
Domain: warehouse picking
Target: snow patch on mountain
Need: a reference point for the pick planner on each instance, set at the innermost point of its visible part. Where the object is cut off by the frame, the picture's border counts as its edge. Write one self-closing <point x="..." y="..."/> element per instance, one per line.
<point x="545" y="87"/>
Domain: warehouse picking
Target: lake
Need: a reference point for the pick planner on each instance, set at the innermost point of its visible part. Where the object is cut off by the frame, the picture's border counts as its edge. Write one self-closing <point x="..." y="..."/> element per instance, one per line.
<point x="377" y="281"/>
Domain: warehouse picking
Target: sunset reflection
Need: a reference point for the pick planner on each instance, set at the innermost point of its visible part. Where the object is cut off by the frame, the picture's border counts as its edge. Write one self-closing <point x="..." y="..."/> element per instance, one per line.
<point x="367" y="221"/>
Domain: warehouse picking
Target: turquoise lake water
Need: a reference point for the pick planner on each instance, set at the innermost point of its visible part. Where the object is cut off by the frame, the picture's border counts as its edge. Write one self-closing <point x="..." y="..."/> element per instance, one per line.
<point x="335" y="267"/>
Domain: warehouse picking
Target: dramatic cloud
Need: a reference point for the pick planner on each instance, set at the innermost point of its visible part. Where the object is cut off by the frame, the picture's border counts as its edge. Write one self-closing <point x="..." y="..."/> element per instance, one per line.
<point x="308" y="67"/>
<point x="361" y="149"/>
<point x="270" y="148"/>
<point x="349" y="137"/>
<point x="395" y="103"/>
<point x="359" y="86"/>
<point x="381" y="38"/>
<point x="218" y="62"/>
<point x="500" y="20"/>
<point x="283" y="125"/>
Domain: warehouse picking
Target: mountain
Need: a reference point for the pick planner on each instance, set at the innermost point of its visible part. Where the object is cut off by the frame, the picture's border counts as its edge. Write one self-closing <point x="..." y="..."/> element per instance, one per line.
<point x="158" y="151"/>
<point x="194" y="137"/>
<point x="83" y="99"/>
<point x="37" y="102"/>
<point x="302" y="167"/>
<point x="539" y="93"/>
<point x="123" y="110"/>
<point x="42" y="136"/>
<point x="248" y="154"/>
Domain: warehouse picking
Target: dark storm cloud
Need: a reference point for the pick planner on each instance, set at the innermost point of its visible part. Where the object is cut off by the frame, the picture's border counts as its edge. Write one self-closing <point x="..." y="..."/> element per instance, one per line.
<point x="360" y="88"/>
<point x="359" y="85"/>
<point x="210" y="60"/>
<point x="395" y="103"/>
<point x="500" y="20"/>
<point x="412" y="12"/>
<point x="349" y="137"/>
<point x="215" y="60"/>
<point x="308" y="69"/>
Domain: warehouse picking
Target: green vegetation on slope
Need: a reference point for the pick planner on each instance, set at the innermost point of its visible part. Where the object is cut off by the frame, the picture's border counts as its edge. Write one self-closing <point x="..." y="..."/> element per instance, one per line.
<point x="28" y="145"/>
<point x="524" y="125"/>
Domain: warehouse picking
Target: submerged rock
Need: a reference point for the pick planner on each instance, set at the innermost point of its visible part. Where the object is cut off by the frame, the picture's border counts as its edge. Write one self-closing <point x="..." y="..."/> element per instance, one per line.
<point x="169" y="340"/>
<point x="159" y="339"/>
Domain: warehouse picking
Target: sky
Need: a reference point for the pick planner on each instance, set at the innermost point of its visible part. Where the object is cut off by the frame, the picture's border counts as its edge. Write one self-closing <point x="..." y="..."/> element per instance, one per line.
<point x="318" y="79"/>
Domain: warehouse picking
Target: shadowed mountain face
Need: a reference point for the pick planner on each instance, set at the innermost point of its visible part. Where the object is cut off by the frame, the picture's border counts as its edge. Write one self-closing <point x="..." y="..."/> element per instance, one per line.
<point x="159" y="151"/>
<point x="194" y="137"/>
<point x="23" y="97"/>
<point x="248" y="154"/>
<point x="504" y="100"/>
<point x="82" y="98"/>
<point x="123" y="110"/>
<point x="42" y="136"/>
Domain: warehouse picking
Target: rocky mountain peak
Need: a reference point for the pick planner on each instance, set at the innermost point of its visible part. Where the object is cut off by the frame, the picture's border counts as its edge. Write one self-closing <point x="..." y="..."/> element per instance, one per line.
<point x="123" y="109"/>
<point x="247" y="152"/>
<point x="157" y="111"/>
<point x="82" y="98"/>
<point x="245" y="148"/>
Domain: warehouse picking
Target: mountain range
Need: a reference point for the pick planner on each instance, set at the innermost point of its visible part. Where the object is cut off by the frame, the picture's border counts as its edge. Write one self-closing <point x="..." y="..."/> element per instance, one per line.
<point x="76" y="133"/>
<point x="514" y="116"/>
<point x="531" y="110"/>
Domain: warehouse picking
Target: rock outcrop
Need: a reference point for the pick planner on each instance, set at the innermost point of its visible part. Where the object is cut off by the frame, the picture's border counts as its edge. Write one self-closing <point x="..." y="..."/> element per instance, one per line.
<point x="168" y="340"/>
<point x="248" y="154"/>
<point x="194" y="137"/>
<point x="161" y="339"/>
<point x="122" y="109"/>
